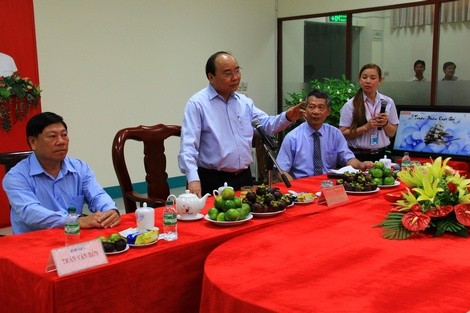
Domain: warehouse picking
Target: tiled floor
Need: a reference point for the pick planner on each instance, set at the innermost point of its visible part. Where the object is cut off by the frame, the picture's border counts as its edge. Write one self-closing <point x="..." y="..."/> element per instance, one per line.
<point x="119" y="204"/>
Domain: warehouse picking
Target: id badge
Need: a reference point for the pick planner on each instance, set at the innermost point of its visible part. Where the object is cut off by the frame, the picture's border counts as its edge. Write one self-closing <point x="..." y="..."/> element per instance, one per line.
<point x="374" y="138"/>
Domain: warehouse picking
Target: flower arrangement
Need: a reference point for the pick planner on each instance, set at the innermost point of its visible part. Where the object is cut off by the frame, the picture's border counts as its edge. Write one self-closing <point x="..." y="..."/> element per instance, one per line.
<point x="20" y="93"/>
<point x="438" y="201"/>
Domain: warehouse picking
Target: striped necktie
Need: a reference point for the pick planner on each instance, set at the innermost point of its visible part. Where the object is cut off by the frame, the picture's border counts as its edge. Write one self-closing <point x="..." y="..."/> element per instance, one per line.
<point x="317" y="163"/>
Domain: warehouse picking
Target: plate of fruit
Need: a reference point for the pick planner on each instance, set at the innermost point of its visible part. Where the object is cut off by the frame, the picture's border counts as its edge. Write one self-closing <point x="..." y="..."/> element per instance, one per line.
<point x="222" y="220"/>
<point x="268" y="201"/>
<point x="358" y="183"/>
<point x="114" y="244"/>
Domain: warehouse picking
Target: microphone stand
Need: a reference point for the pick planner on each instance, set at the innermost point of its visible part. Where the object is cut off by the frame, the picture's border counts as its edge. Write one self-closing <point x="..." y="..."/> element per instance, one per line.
<point x="272" y="162"/>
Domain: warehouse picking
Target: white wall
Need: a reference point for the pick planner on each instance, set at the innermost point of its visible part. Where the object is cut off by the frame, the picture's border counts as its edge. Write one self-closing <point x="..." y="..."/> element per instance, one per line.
<point x="288" y="8"/>
<point x="109" y="64"/>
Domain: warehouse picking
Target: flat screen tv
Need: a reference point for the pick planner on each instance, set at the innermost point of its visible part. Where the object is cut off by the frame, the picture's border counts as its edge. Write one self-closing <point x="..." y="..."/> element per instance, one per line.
<point x="432" y="131"/>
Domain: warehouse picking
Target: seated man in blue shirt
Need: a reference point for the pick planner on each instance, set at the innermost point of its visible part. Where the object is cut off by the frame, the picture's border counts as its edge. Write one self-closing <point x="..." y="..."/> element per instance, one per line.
<point x="41" y="187"/>
<point x="296" y="155"/>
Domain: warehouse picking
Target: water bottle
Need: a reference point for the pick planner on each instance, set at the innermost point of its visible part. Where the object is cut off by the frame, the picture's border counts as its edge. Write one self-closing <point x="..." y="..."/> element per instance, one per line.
<point x="405" y="161"/>
<point x="72" y="227"/>
<point x="170" y="231"/>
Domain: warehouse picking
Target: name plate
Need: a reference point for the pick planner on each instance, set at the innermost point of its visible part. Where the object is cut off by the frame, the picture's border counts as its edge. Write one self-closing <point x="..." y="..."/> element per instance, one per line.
<point x="333" y="195"/>
<point x="74" y="258"/>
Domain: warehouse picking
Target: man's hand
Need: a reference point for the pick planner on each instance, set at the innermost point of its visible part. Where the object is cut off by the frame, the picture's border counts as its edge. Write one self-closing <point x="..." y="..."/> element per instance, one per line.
<point x="106" y="219"/>
<point x="195" y="187"/>
<point x="296" y="112"/>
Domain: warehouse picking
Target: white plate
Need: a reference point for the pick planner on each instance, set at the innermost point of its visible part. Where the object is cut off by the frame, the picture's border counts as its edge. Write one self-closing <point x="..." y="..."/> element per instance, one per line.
<point x="229" y="223"/>
<point x="267" y="214"/>
<point x="185" y="217"/>
<point x="117" y="252"/>
<point x="305" y="202"/>
<point x="142" y="245"/>
<point x="362" y="192"/>
<point x="397" y="183"/>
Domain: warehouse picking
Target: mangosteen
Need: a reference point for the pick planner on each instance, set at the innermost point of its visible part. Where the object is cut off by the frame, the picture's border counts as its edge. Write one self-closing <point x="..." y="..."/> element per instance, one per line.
<point x="261" y="191"/>
<point x="108" y="246"/>
<point x="257" y="207"/>
<point x="277" y="194"/>
<point x="120" y="244"/>
<point x="268" y="199"/>
<point x="251" y="196"/>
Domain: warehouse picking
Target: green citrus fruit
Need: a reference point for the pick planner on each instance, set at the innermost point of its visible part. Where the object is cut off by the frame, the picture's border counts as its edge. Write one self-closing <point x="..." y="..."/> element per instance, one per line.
<point x="228" y="193"/>
<point x="238" y="202"/>
<point x="218" y="202"/>
<point x="376" y="172"/>
<point x="243" y="214"/>
<point x="232" y="215"/>
<point x="221" y="216"/>
<point x="213" y="212"/>
<point x="379" y="164"/>
<point x="228" y="204"/>
<point x="389" y="180"/>
<point x="387" y="172"/>
<point x="377" y="181"/>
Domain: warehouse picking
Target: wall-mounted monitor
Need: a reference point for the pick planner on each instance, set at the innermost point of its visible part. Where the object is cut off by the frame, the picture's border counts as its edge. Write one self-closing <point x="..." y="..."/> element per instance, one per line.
<point x="432" y="131"/>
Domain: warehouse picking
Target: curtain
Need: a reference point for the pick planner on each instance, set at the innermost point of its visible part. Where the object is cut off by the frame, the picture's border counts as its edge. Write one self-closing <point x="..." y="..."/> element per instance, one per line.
<point x="451" y="12"/>
<point x="18" y="40"/>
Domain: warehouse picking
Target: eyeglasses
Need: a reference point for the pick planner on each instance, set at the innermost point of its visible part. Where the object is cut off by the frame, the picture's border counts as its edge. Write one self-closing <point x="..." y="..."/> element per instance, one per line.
<point x="230" y="74"/>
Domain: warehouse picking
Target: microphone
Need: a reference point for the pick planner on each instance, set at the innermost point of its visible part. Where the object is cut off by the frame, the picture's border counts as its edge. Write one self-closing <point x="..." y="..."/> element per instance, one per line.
<point x="383" y="105"/>
<point x="266" y="139"/>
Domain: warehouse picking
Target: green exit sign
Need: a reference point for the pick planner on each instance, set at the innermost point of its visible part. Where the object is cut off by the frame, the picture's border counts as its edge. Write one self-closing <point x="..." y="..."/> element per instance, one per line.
<point x="340" y="18"/>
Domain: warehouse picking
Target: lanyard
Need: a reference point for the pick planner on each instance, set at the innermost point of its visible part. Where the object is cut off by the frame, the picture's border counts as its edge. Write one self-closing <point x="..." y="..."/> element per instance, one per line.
<point x="372" y="114"/>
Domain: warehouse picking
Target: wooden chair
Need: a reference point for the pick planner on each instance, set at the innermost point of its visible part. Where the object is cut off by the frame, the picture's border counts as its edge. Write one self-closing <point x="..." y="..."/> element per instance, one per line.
<point x="153" y="138"/>
<point x="8" y="160"/>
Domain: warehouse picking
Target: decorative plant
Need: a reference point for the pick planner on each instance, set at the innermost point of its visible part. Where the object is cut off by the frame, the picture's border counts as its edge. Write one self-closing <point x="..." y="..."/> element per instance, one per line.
<point x="340" y="90"/>
<point x="437" y="200"/>
<point x="20" y="92"/>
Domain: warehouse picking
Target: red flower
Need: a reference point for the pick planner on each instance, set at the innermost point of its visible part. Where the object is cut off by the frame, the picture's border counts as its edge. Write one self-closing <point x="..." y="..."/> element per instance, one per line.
<point x="440" y="211"/>
<point x="462" y="212"/>
<point x="415" y="221"/>
<point x="452" y="187"/>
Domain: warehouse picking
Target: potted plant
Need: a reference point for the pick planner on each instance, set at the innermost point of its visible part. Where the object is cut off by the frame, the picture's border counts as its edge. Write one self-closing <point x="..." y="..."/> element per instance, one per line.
<point x="339" y="89"/>
<point x="17" y="96"/>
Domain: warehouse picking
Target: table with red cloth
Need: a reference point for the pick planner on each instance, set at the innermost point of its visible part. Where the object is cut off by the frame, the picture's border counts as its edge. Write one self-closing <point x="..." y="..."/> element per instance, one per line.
<point x="336" y="261"/>
<point x="165" y="277"/>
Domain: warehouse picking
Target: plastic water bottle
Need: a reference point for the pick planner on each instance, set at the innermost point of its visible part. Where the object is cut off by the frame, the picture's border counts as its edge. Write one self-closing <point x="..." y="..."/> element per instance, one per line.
<point x="170" y="230"/>
<point x="405" y="161"/>
<point x="72" y="227"/>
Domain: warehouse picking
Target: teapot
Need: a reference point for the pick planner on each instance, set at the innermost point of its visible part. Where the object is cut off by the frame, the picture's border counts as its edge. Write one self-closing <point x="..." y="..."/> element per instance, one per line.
<point x="188" y="205"/>
<point x="218" y="192"/>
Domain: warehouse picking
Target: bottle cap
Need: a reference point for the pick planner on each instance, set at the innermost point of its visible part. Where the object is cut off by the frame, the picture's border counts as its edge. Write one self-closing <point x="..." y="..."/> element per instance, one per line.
<point x="169" y="202"/>
<point x="72" y="210"/>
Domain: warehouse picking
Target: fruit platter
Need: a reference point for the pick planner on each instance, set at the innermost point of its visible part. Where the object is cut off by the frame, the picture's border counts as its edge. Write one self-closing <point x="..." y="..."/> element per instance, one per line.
<point x="228" y="209"/>
<point x="114" y="244"/>
<point x="362" y="182"/>
<point x="266" y="200"/>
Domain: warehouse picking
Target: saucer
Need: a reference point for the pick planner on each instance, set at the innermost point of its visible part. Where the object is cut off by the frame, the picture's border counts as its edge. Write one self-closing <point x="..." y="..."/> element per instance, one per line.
<point x="186" y="217"/>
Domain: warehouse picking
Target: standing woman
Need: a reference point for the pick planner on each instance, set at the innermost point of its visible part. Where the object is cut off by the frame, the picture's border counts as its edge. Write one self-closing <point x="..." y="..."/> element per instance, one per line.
<point x="366" y="129"/>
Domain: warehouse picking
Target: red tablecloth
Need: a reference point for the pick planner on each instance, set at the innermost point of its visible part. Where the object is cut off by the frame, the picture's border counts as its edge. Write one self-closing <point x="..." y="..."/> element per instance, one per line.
<point x="336" y="261"/>
<point x="166" y="277"/>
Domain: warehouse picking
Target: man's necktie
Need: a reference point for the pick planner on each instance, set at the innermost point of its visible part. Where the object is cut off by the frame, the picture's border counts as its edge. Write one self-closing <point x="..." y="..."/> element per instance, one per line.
<point x="317" y="163"/>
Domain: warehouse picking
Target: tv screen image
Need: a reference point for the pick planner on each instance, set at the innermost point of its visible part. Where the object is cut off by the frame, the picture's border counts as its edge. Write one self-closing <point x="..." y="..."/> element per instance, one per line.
<point x="433" y="131"/>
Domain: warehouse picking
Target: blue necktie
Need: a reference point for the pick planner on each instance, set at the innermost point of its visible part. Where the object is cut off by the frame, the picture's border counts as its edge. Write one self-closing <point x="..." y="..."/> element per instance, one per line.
<point x="317" y="163"/>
